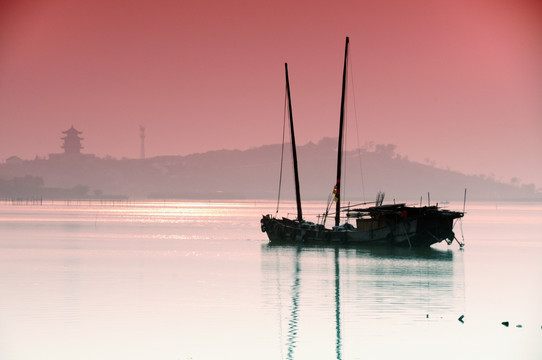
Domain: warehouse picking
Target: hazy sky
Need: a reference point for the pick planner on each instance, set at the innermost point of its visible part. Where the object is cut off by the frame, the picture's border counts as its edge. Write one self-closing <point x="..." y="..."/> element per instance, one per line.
<point x="456" y="81"/>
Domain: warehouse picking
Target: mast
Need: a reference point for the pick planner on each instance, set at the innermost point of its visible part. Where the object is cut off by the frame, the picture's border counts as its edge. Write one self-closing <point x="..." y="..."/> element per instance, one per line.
<point x="294" y="152"/>
<point x="340" y="146"/>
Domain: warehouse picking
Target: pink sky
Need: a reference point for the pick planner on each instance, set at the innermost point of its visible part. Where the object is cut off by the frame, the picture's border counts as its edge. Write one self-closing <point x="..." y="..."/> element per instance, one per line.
<point x="459" y="82"/>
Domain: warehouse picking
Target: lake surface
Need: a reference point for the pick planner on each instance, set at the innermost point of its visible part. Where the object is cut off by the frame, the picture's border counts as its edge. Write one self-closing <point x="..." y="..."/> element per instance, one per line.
<point x="198" y="280"/>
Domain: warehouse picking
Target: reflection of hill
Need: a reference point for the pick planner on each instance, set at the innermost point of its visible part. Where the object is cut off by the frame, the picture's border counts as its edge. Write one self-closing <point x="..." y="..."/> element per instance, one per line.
<point x="251" y="174"/>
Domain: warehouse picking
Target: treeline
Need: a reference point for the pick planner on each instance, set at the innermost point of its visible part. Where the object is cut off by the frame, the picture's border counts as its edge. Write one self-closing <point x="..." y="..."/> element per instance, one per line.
<point x="30" y="188"/>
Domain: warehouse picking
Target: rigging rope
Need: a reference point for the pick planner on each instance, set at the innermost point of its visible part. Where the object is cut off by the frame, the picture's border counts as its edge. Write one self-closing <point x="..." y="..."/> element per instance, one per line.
<point x="282" y="151"/>
<point x="345" y="140"/>
<point x="357" y="128"/>
<point x="350" y="82"/>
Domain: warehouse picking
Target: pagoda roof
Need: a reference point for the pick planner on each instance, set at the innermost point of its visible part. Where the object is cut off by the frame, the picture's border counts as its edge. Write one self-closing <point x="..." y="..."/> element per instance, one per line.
<point x="72" y="130"/>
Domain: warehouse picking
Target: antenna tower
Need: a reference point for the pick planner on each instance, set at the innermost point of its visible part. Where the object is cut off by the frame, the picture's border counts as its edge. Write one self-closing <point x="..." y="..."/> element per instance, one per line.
<point x="142" y="137"/>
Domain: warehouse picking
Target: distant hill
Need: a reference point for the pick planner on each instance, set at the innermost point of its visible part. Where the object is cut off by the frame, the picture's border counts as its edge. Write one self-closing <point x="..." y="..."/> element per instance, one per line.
<point x="250" y="174"/>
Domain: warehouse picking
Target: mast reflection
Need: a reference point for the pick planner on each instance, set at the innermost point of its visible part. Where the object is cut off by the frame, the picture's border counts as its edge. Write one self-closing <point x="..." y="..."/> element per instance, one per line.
<point x="292" y="325"/>
<point x="337" y="297"/>
<point x="338" y="346"/>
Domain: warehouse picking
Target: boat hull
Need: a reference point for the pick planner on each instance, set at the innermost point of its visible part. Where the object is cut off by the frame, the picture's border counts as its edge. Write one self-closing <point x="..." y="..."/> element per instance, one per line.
<point x="419" y="230"/>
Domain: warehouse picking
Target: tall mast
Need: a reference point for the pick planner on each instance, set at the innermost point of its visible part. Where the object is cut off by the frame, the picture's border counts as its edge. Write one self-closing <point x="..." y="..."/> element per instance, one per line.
<point x="294" y="152"/>
<point x="340" y="147"/>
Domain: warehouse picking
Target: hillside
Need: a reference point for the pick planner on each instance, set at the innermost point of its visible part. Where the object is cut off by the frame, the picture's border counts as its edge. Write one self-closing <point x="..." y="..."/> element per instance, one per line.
<point x="250" y="174"/>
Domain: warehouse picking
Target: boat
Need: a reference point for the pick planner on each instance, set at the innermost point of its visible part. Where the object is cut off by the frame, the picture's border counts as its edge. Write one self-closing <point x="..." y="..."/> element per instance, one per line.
<point x="380" y="224"/>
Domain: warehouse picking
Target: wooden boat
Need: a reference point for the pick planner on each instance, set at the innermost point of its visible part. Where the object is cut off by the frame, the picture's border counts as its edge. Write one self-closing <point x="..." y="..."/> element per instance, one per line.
<point x="389" y="225"/>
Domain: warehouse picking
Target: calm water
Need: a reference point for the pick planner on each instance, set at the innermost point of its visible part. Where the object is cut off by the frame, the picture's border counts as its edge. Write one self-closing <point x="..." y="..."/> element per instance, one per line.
<point x="197" y="280"/>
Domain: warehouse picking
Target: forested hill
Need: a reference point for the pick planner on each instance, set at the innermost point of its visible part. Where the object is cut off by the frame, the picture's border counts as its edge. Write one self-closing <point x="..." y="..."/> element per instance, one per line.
<point x="251" y="174"/>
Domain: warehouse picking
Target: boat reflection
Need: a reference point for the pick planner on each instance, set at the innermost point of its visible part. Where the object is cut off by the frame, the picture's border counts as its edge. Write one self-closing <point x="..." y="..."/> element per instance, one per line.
<point x="348" y="294"/>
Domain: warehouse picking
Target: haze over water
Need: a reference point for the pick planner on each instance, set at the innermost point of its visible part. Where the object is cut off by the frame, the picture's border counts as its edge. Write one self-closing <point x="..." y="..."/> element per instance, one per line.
<point x="198" y="280"/>
<point x="451" y="83"/>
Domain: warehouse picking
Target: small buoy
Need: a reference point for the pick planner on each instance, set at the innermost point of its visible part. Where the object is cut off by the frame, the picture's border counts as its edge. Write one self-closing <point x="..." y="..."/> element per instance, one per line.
<point x="505" y="323"/>
<point x="461" y="319"/>
<point x="427" y="316"/>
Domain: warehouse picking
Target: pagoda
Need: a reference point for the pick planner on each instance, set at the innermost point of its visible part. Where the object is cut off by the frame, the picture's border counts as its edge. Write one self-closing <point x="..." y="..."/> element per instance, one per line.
<point x="72" y="141"/>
